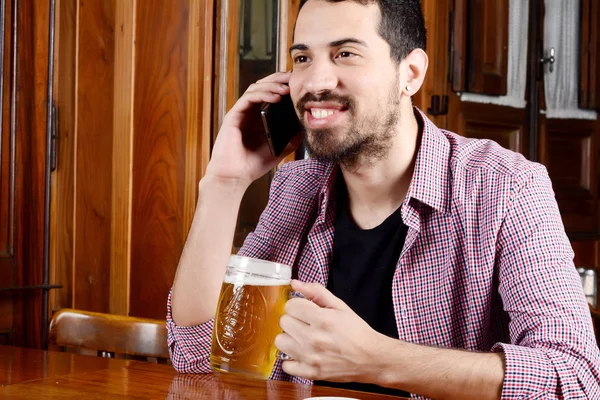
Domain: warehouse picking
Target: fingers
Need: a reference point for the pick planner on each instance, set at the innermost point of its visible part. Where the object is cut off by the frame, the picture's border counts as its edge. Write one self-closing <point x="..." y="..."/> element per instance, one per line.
<point x="296" y="368"/>
<point x="301" y="310"/>
<point x="273" y="87"/>
<point x="319" y="295"/>
<point x="261" y="92"/>
<point x="288" y="345"/>
<point x="280" y="77"/>
<point x="293" y="326"/>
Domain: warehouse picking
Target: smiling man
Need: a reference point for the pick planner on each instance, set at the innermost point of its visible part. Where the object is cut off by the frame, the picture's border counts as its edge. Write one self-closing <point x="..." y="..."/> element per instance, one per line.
<point x="434" y="264"/>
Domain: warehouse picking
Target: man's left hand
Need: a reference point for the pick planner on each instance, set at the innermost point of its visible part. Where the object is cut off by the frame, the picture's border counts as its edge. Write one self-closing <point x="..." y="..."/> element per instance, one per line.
<point x="326" y="339"/>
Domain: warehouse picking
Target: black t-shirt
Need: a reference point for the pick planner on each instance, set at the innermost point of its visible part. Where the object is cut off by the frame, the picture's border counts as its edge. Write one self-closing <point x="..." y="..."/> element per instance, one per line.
<point x="363" y="266"/>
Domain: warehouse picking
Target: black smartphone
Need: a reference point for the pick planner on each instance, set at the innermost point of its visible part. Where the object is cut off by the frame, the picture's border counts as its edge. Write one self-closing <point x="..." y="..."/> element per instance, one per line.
<point x="281" y="123"/>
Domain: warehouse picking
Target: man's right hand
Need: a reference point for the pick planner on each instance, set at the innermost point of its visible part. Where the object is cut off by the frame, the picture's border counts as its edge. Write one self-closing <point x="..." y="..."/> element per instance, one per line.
<point x="241" y="153"/>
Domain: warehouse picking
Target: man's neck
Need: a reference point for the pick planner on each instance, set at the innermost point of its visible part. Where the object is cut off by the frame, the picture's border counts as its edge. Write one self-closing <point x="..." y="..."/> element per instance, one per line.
<point x="377" y="188"/>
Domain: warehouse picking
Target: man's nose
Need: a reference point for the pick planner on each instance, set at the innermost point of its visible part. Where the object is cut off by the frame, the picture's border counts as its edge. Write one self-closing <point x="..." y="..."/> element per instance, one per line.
<point x="321" y="77"/>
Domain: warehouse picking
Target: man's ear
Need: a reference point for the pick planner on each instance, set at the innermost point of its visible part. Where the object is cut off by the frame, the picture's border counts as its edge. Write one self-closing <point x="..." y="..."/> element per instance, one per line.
<point x="414" y="69"/>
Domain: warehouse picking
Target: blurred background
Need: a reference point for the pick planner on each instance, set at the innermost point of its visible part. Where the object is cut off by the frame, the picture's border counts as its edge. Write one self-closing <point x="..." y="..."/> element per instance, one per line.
<point x="110" y="108"/>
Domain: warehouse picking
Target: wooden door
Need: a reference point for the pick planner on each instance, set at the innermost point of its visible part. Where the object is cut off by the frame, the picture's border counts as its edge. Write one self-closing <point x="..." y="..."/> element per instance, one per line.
<point x="570" y="148"/>
<point x="23" y="133"/>
<point x="134" y="99"/>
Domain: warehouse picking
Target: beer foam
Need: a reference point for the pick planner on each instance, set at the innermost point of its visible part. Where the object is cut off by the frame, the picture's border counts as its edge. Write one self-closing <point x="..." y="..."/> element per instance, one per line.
<point x="255" y="280"/>
<point x="256" y="272"/>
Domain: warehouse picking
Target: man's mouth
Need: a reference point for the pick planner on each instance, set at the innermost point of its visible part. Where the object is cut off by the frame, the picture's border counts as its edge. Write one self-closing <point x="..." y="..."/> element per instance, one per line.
<point x="324" y="117"/>
<point x="321" y="113"/>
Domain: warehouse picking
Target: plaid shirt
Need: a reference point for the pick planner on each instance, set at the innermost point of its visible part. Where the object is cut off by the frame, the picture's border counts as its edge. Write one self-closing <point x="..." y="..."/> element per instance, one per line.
<point x="486" y="265"/>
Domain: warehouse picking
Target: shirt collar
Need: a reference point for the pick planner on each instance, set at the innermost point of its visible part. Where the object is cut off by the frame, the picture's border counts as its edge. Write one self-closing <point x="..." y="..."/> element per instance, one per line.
<point x="430" y="182"/>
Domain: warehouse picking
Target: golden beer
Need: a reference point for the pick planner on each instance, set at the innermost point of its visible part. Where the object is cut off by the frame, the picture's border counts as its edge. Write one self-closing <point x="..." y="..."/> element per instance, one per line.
<point x="247" y="318"/>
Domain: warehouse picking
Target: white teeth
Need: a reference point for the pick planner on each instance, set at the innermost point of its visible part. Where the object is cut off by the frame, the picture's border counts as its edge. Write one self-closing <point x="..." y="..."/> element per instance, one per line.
<point x="320" y="113"/>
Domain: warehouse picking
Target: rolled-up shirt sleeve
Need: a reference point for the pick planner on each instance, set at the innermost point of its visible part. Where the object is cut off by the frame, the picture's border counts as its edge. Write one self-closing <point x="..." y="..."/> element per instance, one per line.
<point x="553" y="352"/>
<point x="189" y="346"/>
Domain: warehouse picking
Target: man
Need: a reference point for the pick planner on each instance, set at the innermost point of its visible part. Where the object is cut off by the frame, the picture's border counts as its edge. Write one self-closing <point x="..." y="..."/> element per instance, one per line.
<point x="436" y="265"/>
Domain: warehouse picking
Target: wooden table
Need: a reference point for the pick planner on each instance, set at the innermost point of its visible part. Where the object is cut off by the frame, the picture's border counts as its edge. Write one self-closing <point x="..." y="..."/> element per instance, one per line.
<point x="34" y="374"/>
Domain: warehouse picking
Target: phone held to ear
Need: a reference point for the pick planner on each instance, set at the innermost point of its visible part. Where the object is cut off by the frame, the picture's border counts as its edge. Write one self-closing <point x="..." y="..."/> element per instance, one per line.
<point x="281" y="123"/>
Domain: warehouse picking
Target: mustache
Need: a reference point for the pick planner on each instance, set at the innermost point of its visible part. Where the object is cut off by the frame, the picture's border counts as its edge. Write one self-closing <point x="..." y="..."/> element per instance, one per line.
<point x="346" y="101"/>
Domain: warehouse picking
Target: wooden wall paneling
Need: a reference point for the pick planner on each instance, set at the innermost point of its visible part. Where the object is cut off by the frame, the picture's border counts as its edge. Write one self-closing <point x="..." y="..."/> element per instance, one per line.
<point x="7" y="190"/>
<point x="208" y="128"/>
<point x="288" y="12"/>
<point x="30" y="89"/>
<point x="122" y="147"/>
<point x="584" y="77"/>
<point x="226" y="59"/>
<point x="6" y="211"/>
<point x="62" y="209"/>
<point x="507" y="136"/>
<point x="569" y="150"/>
<point x="232" y="50"/>
<point x="488" y="47"/>
<point x="587" y="253"/>
<point x="199" y="103"/>
<point x="589" y="88"/>
<point x="458" y="46"/>
<point x="595" y="56"/>
<point x="158" y="153"/>
<point x="505" y="125"/>
<point x="219" y="73"/>
<point x="93" y="161"/>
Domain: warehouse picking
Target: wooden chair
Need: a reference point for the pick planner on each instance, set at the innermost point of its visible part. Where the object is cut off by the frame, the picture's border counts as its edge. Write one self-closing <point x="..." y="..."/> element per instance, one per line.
<point x="110" y="335"/>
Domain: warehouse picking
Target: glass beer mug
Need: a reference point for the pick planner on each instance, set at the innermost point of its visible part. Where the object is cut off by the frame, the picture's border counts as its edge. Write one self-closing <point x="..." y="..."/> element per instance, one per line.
<point x="253" y="295"/>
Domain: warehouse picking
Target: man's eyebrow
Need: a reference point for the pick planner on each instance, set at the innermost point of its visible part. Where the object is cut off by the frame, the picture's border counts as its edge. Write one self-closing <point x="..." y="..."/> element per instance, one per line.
<point x="344" y="41"/>
<point x="336" y="43"/>
<point x="298" y="47"/>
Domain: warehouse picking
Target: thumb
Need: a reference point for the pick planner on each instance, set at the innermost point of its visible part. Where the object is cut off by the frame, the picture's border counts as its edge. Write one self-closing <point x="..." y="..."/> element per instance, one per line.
<point x="319" y="295"/>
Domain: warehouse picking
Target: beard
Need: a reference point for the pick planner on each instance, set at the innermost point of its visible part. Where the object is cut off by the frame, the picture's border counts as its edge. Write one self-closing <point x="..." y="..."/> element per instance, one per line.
<point x="362" y="141"/>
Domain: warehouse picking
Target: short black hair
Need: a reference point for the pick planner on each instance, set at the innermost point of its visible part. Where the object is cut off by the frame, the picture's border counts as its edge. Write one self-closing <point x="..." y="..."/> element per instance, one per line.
<point x="402" y="24"/>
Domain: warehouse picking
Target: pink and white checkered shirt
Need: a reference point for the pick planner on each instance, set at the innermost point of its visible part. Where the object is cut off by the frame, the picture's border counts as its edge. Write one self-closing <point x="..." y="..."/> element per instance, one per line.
<point x="486" y="265"/>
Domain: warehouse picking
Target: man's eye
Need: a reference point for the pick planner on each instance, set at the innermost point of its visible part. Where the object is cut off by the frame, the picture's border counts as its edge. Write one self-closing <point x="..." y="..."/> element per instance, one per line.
<point x="345" y="54"/>
<point x="300" y="59"/>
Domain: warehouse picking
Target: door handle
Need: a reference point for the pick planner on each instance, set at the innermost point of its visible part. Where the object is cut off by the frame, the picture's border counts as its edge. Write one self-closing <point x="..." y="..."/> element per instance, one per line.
<point x="550" y="60"/>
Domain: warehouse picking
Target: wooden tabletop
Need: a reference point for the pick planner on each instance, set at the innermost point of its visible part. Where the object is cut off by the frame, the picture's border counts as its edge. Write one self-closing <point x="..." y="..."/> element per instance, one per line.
<point x="32" y="374"/>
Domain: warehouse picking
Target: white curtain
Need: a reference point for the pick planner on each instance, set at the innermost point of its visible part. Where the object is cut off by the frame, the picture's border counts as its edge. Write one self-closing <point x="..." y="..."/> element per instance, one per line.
<point x="518" y="13"/>
<point x="561" y="31"/>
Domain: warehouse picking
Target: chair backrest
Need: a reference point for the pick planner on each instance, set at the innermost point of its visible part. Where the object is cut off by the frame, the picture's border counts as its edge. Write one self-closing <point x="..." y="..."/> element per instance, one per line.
<point x="115" y="334"/>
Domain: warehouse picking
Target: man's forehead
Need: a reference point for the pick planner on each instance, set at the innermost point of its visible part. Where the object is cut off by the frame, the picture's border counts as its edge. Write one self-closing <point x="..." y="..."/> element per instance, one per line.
<point x="320" y="21"/>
